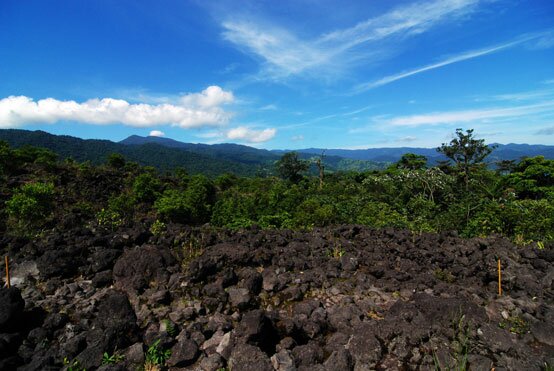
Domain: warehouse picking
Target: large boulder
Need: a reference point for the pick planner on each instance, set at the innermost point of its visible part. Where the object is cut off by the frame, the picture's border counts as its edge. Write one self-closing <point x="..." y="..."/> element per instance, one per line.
<point x="140" y="267"/>
<point x="113" y="328"/>
<point x="11" y="309"/>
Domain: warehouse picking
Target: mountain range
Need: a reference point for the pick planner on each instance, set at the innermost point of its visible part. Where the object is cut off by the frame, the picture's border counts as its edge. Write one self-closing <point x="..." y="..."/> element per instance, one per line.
<point x="215" y="159"/>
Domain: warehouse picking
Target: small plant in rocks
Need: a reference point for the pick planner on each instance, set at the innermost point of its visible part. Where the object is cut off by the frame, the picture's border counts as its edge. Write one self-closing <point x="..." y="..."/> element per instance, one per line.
<point x="108" y="359"/>
<point x="109" y="219"/>
<point x="515" y="324"/>
<point x="73" y="365"/>
<point x="156" y="357"/>
<point x="459" y="347"/>
<point x="169" y="327"/>
<point x="158" y="228"/>
<point x="444" y="275"/>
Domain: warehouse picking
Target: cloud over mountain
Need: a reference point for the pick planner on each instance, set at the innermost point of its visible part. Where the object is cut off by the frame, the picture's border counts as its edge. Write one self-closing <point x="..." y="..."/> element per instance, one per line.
<point x="191" y="111"/>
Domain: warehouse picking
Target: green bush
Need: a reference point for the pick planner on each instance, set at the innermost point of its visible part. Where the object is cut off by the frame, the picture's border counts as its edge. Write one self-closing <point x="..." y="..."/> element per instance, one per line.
<point x="31" y="204"/>
<point x="315" y="211"/>
<point x="528" y="220"/>
<point x="109" y="219"/>
<point x="194" y="205"/>
<point x="122" y="204"/>
<point x="380" y="214"/>
<point x="146" y="188"/>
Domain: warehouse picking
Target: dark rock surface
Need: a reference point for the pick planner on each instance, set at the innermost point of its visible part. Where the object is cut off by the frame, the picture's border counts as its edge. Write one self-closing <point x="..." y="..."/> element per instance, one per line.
<point x="275" y="300"/>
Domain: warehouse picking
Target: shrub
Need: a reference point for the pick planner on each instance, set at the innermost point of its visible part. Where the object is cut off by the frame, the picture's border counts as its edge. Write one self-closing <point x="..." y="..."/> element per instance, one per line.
<point x="146" y="188"/>
<point x="193" y="205"/>
<point x="31" y="204"/>
<point x="109" y="219"/>
<point x="380" y="214"/>
<point x="173" y="205"/>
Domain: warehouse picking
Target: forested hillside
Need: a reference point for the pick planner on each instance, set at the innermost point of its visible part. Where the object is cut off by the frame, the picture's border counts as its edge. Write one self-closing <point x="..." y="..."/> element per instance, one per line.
<point x="150" y="154"/>
<point x="516" y="199"/>
<point x="168" y="155"/>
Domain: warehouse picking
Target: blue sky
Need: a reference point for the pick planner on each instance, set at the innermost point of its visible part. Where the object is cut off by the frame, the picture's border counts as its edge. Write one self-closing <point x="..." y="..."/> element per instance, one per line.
<point x="280" y="74"/>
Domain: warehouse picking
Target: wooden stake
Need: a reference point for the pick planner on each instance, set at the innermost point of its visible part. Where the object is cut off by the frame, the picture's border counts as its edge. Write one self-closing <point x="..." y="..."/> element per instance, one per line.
<point x="7" y="271"/>
<point x="499" y="278"/>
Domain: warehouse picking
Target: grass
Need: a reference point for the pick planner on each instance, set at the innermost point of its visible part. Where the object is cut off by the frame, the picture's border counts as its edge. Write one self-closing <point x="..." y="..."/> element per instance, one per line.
<point x="459" y="347"/>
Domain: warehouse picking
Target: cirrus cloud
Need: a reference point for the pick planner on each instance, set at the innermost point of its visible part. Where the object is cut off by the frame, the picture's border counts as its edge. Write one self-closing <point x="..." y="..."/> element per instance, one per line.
<point x="191" y="111"/>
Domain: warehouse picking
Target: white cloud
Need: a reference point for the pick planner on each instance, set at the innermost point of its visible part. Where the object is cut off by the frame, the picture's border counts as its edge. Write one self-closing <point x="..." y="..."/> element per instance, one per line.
<point x="269" y="107"/>
<point x="402" y="21"/>
<point x="212" y="96"/>
<point x="297" y="138"/>
<point x="455" y="59"/>
<point x="452" y="117"/>
<point x="527" y="95"/>
<point x="545" y="41"/>
<point x="285" y="53"/>
<point x="192" y="111"/>
<point x="242" y="133"/>
<point x="156" y="133"/>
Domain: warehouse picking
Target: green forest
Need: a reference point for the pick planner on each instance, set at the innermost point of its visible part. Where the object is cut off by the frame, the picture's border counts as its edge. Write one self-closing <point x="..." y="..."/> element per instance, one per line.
<point x="40" y="191"/>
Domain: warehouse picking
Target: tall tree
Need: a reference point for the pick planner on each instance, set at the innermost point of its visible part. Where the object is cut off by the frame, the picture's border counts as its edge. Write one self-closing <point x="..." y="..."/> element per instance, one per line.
<point x="466" y="152"/>
<point x="321" y="168"/>
<point x="411" y="161"/>
<point x="290" y="167"/>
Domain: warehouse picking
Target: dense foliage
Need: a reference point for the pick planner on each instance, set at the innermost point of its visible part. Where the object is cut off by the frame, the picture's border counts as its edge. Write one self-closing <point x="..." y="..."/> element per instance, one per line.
<point x="38" y="191"/>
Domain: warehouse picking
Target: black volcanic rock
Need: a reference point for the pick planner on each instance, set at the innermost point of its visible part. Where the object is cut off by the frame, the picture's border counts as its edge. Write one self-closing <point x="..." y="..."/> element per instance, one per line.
<point x="11" y="309"/>
<point x="138" y="267"/>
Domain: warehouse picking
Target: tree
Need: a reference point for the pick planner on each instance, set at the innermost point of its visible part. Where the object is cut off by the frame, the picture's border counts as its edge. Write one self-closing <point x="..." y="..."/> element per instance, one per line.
<point x="116" y="160"/>
<point x="411" y="161"/>
<point x="321" y="168"/>
<point x="466" y="151"/>
<point x="290" y="167"/>
<point x="504" y="167"/>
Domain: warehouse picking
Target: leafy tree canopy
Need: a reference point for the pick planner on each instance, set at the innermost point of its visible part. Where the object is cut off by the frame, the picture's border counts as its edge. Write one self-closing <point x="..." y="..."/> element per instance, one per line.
<point x="290" y="167"/>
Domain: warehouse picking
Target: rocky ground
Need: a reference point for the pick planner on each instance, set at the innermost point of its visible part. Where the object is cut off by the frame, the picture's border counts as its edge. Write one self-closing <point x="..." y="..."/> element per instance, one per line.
<point x="346" y="298"/>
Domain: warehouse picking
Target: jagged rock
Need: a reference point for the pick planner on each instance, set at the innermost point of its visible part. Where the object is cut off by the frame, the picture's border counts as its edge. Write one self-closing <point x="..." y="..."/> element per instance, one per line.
<point x="59" y="262"/>
<point x="210" y="345"/>
<point x="339" y="360"/>
<point x="114" y="326"/>
<point x="24" y="272"/>
<point x="543" y="333"/>
<point x="135" y="354"/>
<point x="308" y="355"/>
<point x="137" y="268"/>
<point x="239" y="297"/>
<point x="246" y="357"/>
<point x="282" y="361"/>
<point x="365" y="349"/>
<point x="213" y="362"/>
<point x="101" y="279"/>
<point x="184" y="353"/>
